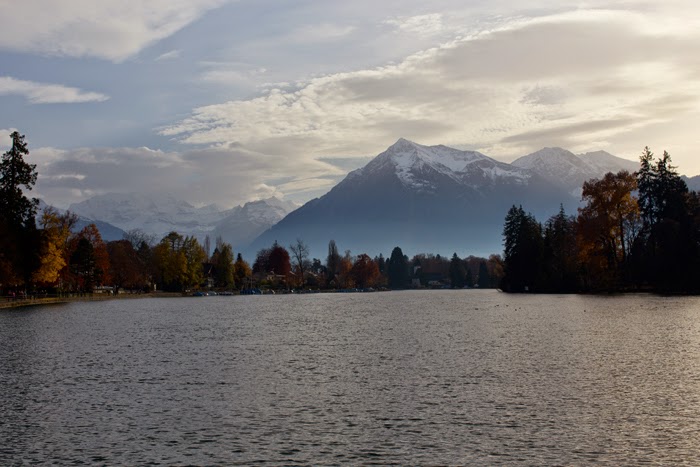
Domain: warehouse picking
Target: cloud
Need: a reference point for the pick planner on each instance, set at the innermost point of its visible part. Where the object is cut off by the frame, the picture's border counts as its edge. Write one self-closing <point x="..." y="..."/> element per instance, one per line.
<point x="568" y="80"/>
<point x="232" y="73"/>
<point x="424" y="25"/>
<point x="226" y="175"/>
<point x="109" y="29"/>
<point x="172" y="55"/>
<point x="43" y="93"/>
<point x="320" y="32"/>
<point x="5" y="140"/>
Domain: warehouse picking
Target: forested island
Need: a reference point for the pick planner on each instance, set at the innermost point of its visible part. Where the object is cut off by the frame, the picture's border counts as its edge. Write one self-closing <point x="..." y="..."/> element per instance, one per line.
<point x="634" y="232"/>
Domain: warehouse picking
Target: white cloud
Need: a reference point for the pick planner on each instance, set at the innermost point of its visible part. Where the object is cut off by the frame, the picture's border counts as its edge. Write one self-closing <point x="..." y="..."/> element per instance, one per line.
<point x="43" y="93"/>
<point x="233" y="73"/>
<point x="424" y="25"/>
<point x="226" y="175"/>
<point x="566" y="80"/>
<point x="172" y="55"/>
<point x="321" y="32"/>
<point x="110" y="29"/>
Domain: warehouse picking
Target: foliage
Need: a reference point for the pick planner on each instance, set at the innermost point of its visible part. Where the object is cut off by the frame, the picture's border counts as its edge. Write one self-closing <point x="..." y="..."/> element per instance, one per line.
<point x="365" y="272"/>
<point x="17" y="175"/>
<point x="55" y="234"/>
<point x="178" y="262"/>
<point x="523" y="251"/>
<point x="332" y="262"/>
<point x="126" y="266"/>
<point x="224" y="269"/>
<point x="20" y="243"/>
<point x="457" y="272"/>
<point x="242" y="270"/>
<point x="397" y="269"/>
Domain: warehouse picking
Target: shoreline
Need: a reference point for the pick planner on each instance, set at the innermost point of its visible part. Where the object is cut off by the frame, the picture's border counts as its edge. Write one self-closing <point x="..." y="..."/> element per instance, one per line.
<point x="7" y="304"/>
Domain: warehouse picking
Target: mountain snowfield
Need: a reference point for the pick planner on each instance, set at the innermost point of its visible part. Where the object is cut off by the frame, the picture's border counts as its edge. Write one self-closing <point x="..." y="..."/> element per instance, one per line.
<point x="423" y="198"/>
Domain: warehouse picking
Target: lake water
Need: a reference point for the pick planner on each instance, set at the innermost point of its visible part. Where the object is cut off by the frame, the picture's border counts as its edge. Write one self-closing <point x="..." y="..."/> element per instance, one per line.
<point x="415" y="377"/>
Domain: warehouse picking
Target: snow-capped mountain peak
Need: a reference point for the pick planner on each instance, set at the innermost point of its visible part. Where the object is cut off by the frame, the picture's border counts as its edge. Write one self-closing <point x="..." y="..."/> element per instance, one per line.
<point x="421" y="167"/>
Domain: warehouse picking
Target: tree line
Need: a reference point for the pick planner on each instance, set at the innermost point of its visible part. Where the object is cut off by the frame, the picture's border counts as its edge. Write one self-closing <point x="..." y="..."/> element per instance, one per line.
<point x="634" y="232"/>
<point x="50" y="255"/>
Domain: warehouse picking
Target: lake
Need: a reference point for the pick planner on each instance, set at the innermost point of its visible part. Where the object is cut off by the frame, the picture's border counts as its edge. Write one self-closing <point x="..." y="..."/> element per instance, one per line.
<point x="414" y="377"/>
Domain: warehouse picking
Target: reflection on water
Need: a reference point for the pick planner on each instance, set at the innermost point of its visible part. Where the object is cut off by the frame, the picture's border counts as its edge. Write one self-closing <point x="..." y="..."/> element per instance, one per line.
<point x="448" y="377"/>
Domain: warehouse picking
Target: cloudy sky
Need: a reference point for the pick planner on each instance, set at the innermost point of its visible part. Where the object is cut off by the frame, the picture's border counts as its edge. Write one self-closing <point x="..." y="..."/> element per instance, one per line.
<point x="228" y="101"/>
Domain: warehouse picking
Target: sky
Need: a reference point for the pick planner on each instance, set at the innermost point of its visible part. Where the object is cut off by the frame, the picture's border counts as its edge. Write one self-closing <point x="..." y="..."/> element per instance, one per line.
<point x="217" y="101"/>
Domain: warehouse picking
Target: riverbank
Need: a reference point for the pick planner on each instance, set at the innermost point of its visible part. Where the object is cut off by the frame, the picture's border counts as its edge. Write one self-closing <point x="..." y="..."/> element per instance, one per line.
<point x="8" y="303"/>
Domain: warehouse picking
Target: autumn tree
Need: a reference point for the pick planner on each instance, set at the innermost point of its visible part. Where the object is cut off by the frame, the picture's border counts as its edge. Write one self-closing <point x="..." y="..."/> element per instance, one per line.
<point x="55" y="233"/>
<point x="261" y="265"/>
<point x="279" y="260"/>
<point x="608" y="225"/>
<point x="88" y="260"/>
<point x="126" y="267"/>
<point x="365" y="272"/>
<point x="178" y="262"/>
<point x="344" y="275"/>
<point x="242" y="270"/>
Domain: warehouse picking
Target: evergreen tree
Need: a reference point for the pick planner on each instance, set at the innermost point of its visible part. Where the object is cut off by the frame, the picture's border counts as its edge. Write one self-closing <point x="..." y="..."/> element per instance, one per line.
<point x="560" y="252"/>
<point x="397" y="268"/>
<point x="669" y="246"/>
<point x="20" y="242"/>
<point x="469" y="279"/>
<point x="332" y="262"/>
<point x="457" y="273"/>
<point x="17" y="175"/>
<point x="483" y="280"/>
<point x="523" y="251"/>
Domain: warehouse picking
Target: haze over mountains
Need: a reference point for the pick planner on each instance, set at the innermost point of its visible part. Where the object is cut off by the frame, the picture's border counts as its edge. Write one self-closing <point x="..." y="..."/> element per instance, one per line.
<point x="423" y="198"/>
<point x="158" y="215"/>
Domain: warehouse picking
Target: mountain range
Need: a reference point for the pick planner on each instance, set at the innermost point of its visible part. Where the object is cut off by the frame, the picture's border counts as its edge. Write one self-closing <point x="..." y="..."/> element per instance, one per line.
<point x="423" y="198"/>
<point x="159" y="215"/>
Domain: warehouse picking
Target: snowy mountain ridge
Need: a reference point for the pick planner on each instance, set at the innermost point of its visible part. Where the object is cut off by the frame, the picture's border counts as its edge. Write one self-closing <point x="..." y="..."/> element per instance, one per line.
<point x="568" y="170"/>
<point x="413" y="164"/>
<point x="160" y="214"/>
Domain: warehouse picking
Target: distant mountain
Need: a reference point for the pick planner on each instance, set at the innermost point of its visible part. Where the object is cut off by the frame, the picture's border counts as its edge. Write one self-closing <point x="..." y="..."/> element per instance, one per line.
<point x="107" y="231"/>
<point x="244" y="223"/>
<point x="693" y="182"/>
<point x="568" y="171"/>
<point x="422" y="198"/>
<point x="160" y="214"/>
<point x="154" y="214"/>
